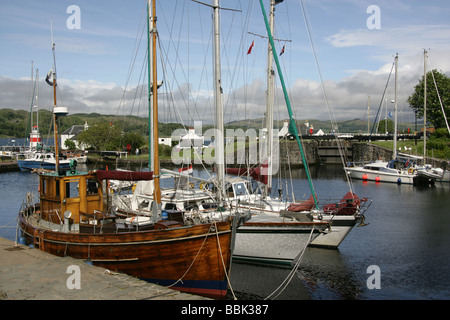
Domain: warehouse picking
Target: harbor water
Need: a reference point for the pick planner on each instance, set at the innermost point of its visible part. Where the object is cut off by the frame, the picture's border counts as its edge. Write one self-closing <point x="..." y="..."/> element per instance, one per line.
<point x="403" y="253"/>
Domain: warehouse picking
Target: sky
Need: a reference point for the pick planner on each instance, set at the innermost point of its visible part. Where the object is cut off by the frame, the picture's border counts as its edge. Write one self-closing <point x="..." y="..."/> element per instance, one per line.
<point x="100" y="50"/>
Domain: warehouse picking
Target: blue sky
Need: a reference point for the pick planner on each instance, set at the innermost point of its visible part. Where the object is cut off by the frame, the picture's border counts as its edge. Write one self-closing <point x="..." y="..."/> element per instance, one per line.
<point x="93" y="62"/>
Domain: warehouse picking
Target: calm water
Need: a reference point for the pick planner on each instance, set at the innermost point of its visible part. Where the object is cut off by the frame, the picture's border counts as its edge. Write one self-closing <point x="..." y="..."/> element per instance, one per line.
<point x="408" y="238"/>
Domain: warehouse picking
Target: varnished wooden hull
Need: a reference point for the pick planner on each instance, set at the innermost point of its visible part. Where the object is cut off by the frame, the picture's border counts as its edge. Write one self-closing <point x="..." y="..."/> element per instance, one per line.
<point x="199" y="256"/>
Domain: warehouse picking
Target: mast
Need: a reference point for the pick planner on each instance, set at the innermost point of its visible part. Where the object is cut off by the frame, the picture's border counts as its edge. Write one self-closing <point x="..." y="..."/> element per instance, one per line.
<point x="219" y="148"/>
<point x="57" y="111"/>
<point x="270" y="94"/>
<point x="292" y="125"/>
<point x="368" y="115"/>
<point x="395" y="111"/>
<point x="150" y="90"/>
<point x="55" y="125"/>
<point x="424" y="106"/>
<point x="156" y="173"/>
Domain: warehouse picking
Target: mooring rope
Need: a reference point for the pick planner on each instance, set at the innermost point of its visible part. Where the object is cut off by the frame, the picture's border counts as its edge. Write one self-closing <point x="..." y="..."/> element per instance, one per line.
<point x="223" y="263"/>
<point x="291" y="274"/>
<point x="195" y="258"/>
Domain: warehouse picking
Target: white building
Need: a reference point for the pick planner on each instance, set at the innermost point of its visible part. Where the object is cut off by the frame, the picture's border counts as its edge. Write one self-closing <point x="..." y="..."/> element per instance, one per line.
<point x="71" y="134"/>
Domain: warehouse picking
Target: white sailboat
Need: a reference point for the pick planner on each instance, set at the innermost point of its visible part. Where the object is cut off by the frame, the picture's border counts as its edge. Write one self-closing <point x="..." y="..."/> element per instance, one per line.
<point x="393" y="171"/>
<point x="427" y="171"/>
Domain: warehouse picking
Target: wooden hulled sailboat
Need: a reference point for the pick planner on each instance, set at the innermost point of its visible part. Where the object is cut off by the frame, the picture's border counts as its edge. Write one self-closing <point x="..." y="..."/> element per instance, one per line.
<point x="74" y="218"/>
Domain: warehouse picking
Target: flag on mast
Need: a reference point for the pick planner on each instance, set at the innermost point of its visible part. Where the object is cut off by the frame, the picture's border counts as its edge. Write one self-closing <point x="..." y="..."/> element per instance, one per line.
<point x="251" y="46"/>
<point x="49" y="78"/>
<point x="282" y="50"/>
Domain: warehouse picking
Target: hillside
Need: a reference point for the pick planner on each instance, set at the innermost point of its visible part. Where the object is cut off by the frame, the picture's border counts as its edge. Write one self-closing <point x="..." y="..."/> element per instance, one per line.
<point x="16" y="123"/>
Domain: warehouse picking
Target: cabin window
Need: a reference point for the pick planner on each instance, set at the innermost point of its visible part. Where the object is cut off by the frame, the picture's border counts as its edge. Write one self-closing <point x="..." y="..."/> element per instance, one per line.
<point x="92" y="186"/>
<point x="72" y="189"/>
<point x="44" y="186"/>
<point x="239" y="189"/>
<point x="57" y="188"/>
<point x="170" y="206"/>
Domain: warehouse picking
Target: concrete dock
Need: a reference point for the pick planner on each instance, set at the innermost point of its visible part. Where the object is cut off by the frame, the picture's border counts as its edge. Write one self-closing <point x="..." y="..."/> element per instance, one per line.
<point x="31" y="274"/>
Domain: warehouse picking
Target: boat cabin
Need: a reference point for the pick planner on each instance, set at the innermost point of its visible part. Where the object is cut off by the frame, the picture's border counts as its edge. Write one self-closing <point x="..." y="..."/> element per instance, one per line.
<point x="70" y="195"/>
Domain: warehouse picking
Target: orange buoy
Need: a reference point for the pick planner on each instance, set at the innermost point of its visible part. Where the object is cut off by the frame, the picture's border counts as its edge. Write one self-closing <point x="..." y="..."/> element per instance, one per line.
<point x="377" y="179"/>
<point x="364" y="176"/>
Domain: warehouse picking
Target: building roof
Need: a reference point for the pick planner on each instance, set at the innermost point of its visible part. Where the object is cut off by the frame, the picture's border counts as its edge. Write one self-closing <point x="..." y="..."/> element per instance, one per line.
<point x="73" y="130"/>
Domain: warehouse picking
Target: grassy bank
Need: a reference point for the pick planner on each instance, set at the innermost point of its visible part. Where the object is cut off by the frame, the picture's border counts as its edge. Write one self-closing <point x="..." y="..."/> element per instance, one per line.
<point x="436" y="148"/>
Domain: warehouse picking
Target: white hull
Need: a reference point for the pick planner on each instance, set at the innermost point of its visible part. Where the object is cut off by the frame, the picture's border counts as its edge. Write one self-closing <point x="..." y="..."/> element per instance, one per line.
<point x="379" y="176"/>
<point x="275" y="245"/>
<point x="340" y="228"/>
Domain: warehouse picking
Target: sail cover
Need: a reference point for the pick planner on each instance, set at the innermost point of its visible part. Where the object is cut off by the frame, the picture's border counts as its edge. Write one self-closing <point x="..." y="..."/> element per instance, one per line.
<point x="124" y="175"/>
<point x="259" y="173"/>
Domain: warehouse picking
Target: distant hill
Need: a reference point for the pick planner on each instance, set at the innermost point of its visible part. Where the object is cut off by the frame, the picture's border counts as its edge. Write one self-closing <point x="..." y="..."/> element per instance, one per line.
<point x="16" y="123"/>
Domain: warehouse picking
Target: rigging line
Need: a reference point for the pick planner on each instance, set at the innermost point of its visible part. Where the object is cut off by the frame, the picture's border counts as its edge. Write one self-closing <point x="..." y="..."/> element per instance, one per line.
<point x="174" y="68"/>
<point x="223" y="263"/>
<point x="330" y="112"/>
<point x="137" y="44"/>
<point x="439" y="96"/>
<point x="381" y="101"/>
<point x="171" y="96"/>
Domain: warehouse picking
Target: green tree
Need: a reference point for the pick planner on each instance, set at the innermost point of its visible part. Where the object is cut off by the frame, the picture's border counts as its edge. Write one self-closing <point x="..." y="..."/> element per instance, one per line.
<point x="102" y="136"/>
<point x="134" y="139"/>
<point x="382" y="126"/>
<point x="434" y="110"/>
<point x="69" y="144"/>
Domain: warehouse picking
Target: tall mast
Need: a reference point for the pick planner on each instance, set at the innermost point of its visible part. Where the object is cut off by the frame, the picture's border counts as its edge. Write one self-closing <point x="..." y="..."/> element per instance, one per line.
<point x="157" y="190"/>
<point x="57" y="111"/>
<point x="424" y="106"/>
<point x="150" y="90"/>
<point x="55" y="124"/>
<point x="269" y="107"/>
<point x="368" y="115"/>
<point x="395" y="110"/>
<point x="219" y="148"/>
<point x="292" y="125"/>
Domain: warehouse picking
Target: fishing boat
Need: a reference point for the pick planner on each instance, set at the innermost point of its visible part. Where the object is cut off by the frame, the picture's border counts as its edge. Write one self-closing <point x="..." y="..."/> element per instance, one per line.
<point x="42" y="160"/>
<point x="74" y="217"/>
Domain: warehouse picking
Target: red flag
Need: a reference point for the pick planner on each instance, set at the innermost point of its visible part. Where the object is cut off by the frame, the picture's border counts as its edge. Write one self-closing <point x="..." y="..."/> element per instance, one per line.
<point x="251" y="46"/>
<point x="282" y="50"/>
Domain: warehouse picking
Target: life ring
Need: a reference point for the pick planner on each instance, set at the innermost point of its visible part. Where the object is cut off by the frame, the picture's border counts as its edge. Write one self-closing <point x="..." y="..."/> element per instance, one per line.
<point x="191" y="184"/>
